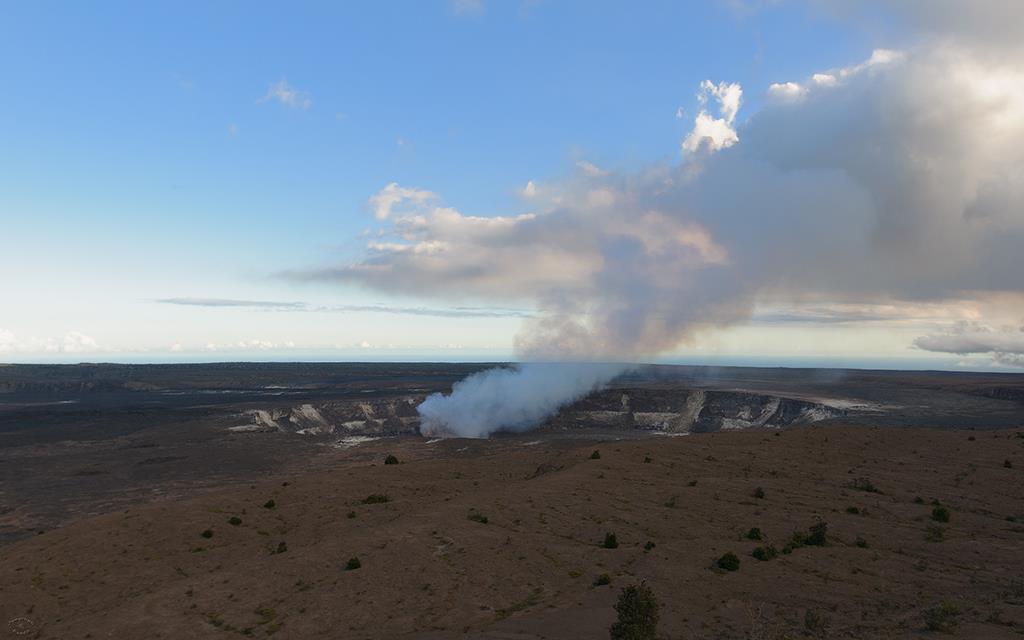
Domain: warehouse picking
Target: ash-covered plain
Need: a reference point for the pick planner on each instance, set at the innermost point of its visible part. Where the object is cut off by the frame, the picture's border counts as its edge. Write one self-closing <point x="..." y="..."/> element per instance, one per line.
<point x="134" y="502"/>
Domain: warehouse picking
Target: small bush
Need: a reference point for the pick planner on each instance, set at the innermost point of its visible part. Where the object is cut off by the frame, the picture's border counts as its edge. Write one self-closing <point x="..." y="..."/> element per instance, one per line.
<point x="817" y="623"/>
<point x="637" y="610"/>
<point x="269" y="504"/>
<point x="728" y="562"/>
<point x="350" y="515"/>
<point x="864" y="484"/>
<point x="691" y="483"/>
<point x="390" y="459"/>
<point x="207" y="534"/>
<point x="818" y="536"/>
<point x="759" y="493"/>
<point x="1008" y="464"/>
<point x="942" y="617"/>
<point x="853" y="510"/>
<point x="754" y="534"/>
<point x="376" y="498"/>
<point x="282" y="547"/>
<point x="234" y="521"/>
<point x="764" y="553"/>
<point x="353" y="564"/>
<point x="861" y="542"/>
<point x="596" y="455"/>
<point x="918" y="500"/>
<point x="602" y="580"/>
<point x="935" y="533"/>
<point x="610" y="541"/>
<point x="478" y="517"/>
<point x="647" y="460"/>
<point x="649" y="545"/>
<point x="940" y="514"/>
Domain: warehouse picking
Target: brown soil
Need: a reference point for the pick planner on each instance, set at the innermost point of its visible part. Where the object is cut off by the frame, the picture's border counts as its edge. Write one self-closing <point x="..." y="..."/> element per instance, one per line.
<point x="430" y="571"/>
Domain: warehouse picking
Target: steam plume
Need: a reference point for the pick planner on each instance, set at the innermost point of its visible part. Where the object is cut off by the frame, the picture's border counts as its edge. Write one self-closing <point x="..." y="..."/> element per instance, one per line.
<point x="511" y="399"/>
<point x="895" y="181"/>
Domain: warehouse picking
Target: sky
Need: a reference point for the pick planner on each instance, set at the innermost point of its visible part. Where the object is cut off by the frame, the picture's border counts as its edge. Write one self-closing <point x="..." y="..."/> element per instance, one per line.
<point x="820" y="182"/>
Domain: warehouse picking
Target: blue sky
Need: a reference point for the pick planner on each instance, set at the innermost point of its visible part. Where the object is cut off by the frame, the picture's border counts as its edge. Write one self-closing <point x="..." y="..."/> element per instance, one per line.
<point x="146" y="155"/>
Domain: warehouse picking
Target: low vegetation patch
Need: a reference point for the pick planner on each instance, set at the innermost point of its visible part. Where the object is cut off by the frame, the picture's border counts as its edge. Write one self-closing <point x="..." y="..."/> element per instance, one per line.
<point x="602" y="580"/>
<point x="596" y="455"/>
<point x="353" y="564"/>
<point x="234" y="521"/>
<point x="390" y="459"/>
<point x="765" y="553"/>
<point x="207" y="534"/>
<point x="864" y="484"/>
<point x="759" y="493"/>
<point x="816" y="536"/>
<point x="477" y="517"/>
<point x="943" y="617"/>
<point x="940" y="514"/>
<point x="376" y="498"/>
<point x="935" y="533"/>
<point x="637" y="611"/>
<point x="853" y="511"/>
<point x="269" y="504"/>
<point x="728" y="562"/>
<point x="610" y="541"/>
<point x="754" y="534"/>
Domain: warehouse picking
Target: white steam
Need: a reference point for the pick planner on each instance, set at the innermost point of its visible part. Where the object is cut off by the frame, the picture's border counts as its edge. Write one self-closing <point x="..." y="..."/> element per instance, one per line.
<point x="511" y="399"/>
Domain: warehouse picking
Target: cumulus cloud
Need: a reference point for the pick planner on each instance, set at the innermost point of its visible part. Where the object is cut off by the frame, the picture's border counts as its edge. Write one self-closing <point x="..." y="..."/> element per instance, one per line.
<point x="287" y="95"/>
<point x="78" y="342"/>
<point x="715" y="133"/>
<point x="393" y="195"/>
<point x="230" y="302"/>
<point x="892" y="180"/>
<point x="1004" y="345"/>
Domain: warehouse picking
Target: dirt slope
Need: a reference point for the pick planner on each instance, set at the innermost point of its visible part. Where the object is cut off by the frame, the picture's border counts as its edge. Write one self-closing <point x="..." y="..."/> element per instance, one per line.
<point x="429" y="571"/>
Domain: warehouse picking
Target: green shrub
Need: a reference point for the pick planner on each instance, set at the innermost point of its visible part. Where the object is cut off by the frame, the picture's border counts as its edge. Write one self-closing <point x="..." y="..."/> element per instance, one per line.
<point x="1008" y="463"/>
<point x="729" y="562"/>
<point x="602" y="580"/>
<point x="207" y="534"/>
<point x="853" y="510"/>
<point x="596" y="455"/>
<point x="637" y="610"/>
<point x="282" y="547"/>
<point x="353" y="564"/>
<point x="754" y="534"/>
<point x="649" y="545"/>
<point x="940" y="514"/>
<point x="269" y="504"/>
<point x="691" y="483"/>
<point x="234" y="521"/>
<point x="477" y="517"/>
<point x="759" y="493"/>
<point x="764" y="553"/>
<point x="647" y="460"/>
<point x="861" y="542"/>
<point x="818" y="536"/>
<point x="350" y="515"/>
<point x="390" y="459"/>
<point x="610" y="541"/>
<point x="918" y="500"/>
<point x="376" y="498"/>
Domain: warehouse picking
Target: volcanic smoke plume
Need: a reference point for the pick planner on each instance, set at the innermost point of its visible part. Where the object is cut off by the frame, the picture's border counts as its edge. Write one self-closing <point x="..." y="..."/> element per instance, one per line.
<point x="511" y="399"/>
<point x="894" y="181"/>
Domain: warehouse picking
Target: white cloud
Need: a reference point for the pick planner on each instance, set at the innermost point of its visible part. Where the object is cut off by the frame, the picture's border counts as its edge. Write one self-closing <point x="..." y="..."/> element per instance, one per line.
<point x="787" y="91"/>
<point x="287" y="95"/>
<point x="176" y="347"/>
<point x="8" y="342"/>
<point x="591" y="169"/>
<point x="529" y="191"/>
<point x="77" y="342"/>
<point x="1004" y="345"/>
<point x="393" y="195"/>
<point x="716" y="133"/>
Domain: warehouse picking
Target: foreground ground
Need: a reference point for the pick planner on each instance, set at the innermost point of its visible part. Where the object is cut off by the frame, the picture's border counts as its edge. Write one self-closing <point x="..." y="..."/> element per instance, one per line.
<point x="429" y="568"/>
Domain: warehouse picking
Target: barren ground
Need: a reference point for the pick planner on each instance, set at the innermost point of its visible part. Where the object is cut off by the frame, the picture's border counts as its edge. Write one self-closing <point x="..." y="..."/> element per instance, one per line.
<point x="429" y="571"/>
